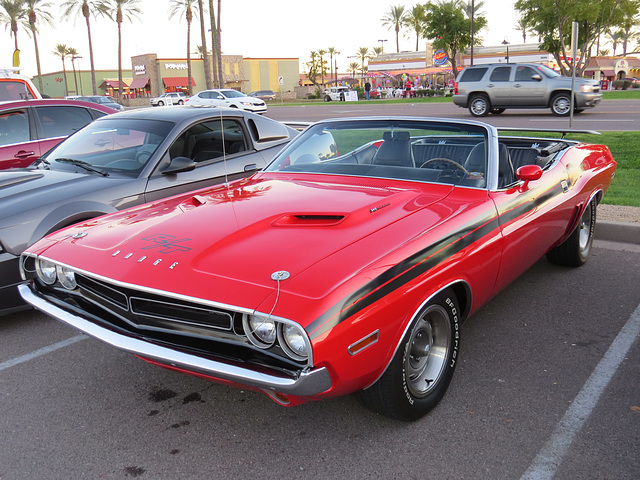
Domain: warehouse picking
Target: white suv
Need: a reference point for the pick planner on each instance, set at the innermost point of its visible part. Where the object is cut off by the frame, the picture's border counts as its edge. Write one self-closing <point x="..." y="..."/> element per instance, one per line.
<point x="175" y="98"/>
<point x="227" y="97"/>
<point x="335" y="94"/>
<point x="14" y="86"/>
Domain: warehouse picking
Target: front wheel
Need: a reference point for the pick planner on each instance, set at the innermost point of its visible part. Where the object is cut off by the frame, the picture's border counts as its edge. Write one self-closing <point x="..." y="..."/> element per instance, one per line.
<point x="561" y="104"/>
<point x="327" y="98"/>
<point x="574" y="251"/>
<point x="479" y="106"/>
<point x="422" y="368"/>
<point x="161" y="103"/>
<point x="180" y="102"/>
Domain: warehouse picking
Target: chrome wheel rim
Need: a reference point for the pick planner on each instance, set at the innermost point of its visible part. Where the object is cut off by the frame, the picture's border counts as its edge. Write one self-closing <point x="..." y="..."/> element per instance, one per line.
<point x="584" y="235"/>
<point x="427" y="351"/>
<point x="479" y="106"/>
<point x="562" y="105"/>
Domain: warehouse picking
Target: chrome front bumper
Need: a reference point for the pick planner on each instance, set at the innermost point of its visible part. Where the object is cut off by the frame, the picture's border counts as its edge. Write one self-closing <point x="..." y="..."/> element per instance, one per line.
<point x="307" y="383"/>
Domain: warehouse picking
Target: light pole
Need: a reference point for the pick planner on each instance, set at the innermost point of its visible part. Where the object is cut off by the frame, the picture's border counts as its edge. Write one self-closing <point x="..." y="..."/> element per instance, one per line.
<point x="382" y="44"/>
<point x="504" y="42"/>
<point x="76" y="57"/>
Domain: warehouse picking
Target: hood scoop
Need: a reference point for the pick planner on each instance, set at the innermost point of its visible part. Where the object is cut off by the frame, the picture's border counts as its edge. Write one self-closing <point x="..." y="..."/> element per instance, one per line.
<point x="309" y="220"/>
<point x="9" y="179"/>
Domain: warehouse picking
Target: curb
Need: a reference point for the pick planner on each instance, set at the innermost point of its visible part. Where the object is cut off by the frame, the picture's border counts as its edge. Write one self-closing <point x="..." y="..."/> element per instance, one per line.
<point x="621" y="232"/>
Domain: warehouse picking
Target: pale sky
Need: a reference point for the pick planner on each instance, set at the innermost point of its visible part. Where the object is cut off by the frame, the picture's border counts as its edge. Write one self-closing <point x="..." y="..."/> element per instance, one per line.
<point x="251" y="28"/>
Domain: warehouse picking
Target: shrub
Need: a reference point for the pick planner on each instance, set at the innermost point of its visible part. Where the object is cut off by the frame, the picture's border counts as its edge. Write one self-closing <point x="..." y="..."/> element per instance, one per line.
<point x="621" y="84"/>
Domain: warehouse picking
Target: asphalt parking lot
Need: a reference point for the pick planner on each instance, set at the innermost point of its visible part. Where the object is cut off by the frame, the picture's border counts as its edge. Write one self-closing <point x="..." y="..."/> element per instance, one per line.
<point x="524" y="400"/>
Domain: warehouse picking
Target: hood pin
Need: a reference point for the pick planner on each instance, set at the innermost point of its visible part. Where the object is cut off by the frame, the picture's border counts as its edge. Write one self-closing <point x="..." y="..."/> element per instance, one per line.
<point x="280" y="275"/>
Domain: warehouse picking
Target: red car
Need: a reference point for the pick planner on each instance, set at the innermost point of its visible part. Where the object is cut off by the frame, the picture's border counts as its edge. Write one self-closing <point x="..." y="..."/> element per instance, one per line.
<point x="30" y="128"/>
<point x="348" y="265"/>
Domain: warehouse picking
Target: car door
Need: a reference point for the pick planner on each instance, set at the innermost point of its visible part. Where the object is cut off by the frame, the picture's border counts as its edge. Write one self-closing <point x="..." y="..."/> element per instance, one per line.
<point x="19" y="144"/>
<point x="533" y="216"/>
<point x="221" y="150"/>
<point x="528" y="87"/>
<point x="499" y="86"/>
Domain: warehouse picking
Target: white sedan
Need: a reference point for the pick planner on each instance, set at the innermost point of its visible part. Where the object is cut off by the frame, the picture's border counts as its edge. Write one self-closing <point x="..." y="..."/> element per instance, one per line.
<point x="227" y="97"/>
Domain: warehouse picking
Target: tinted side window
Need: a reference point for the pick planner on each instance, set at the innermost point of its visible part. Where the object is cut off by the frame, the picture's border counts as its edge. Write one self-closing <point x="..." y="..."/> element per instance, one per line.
<point x="14" y="90"/>
<point x="14" y="127"/>
<point x="210" y="141"/>
<point x="62" y="121"/>
<point x="500" y="74"/>
<point x="473" y="74"/>
<point x="524" y="74"/>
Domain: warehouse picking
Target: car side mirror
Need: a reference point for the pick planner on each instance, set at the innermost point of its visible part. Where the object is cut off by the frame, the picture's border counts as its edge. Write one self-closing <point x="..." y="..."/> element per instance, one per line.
<point x="537" y="77"/>
<point x="177" y="165"/>
<point x="528" y="173"/>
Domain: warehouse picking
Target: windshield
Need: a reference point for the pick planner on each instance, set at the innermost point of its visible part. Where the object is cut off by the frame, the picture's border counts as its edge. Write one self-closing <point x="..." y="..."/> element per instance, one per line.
<point x="427" y="151"/>
<point x="121" y="146"/>
<point x="232" y="93"/>
<point x="548" y="71"/>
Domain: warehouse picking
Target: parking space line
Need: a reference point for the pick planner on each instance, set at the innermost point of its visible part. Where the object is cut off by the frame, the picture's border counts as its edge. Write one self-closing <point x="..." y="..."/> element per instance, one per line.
<point x="41" y="351"/>
<point x="548" y="460"/>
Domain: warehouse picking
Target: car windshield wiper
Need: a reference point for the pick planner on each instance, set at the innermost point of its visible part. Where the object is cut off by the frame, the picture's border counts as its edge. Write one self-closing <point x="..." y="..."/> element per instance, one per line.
<point x="40" y="161"/>
<point x="85" y="165"/>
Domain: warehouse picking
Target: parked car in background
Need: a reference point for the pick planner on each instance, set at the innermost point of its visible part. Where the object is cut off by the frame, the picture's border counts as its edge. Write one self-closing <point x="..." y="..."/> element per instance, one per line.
<point x="264" y="95"/>
<point x="99" y="99"/>
<point x="175" y="98"/>
<point x="349" y="264"/>
<point x="335" y="93"/>
<point x="29" y="128"/>
<point x="495" y="87"/>
<point x="14" y="86"/>
<point x="227" y="97"/>
<point x="124" y="160"/>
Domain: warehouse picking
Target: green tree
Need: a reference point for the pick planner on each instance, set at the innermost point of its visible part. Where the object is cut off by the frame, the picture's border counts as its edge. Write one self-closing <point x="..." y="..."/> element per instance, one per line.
<point x="552" y="20"/>
<point x="86" y="8"/>
<point x="394" y="18"/>
<point x="34" y="10"/>
<point x="615" y="38"/>
<point x="186" y="8"/>
<point x="119" y="10"/>
<point x="73" y="55"/>
<point x="353" y="68"/>
<point x="12" y="12"/>
<point x="413" y="20"/>
<point x="332" y="52"/>
<point x="629" y="24"/>
<point x="206" y="59"/>
<point x="313" y="70"/>
<point x="523" y="27"/>
<point x="449" y="30"/>
<point x="323" y="63"/>
<point x="363" y="53"/>
<point x="61" y="51"/>
<point x="216" y="36"/>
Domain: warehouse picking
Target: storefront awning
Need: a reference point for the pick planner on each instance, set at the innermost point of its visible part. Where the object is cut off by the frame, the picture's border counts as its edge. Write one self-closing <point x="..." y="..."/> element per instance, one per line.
<point x="608" y="73"/>
<point x="112" y="84"/>
<point x="178" y="82"/>
<point x="139" y="82"/>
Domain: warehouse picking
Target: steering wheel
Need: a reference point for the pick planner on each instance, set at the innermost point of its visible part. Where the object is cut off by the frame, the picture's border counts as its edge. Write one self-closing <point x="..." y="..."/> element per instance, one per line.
<point x="448" y="160"/>
<point x="144" y="153"/>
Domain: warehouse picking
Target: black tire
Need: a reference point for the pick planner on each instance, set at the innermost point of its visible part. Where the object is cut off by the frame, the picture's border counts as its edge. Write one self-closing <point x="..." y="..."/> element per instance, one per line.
<point x="180" y="102"/>
<point x="561" y="104"/>
<point x="161" y="103"/>
<point x="574" y="251"/>
<point x="497" y="111"/>
<point x="479" y="105"/>
<point x="327" y="98"/>
<point x="419" y="374"/>
<point x="578" y="110"/>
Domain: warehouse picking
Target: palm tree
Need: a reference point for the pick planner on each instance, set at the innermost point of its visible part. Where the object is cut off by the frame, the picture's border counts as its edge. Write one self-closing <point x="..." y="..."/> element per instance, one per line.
<point x="34" y="11"/>
<point x="353" y="68"/>
<point x="395" y="18"/>
<point x="523" y="26"/>
<point x="413" y="20"/>
<point x="186" y="8"/>
<point x="323" y="64"/>
<point x="12" y="12"/>
<point x="217" y="65"/>
<point x="118" y="10"/>
<point x="615" y="38"/>
<point x="205" y="59"/>
<point x="73" y="55"/>
<point x="86" y="8"/>
<point x="61" y="51"/>
<point x="363" y="53"/>
<point x="468" y="8"/>
<point x="332" y="51"/>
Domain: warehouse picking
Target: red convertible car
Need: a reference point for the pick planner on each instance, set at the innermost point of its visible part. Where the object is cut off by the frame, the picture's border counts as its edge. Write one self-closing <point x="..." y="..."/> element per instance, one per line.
<point x="348" y="265"/>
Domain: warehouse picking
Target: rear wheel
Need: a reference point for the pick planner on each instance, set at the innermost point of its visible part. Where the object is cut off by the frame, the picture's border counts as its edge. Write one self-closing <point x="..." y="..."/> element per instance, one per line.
<point x="161" y="103"/>
<point x="327" y="98"/>
<point x="180" y="102"/>
<point x="574" y="251"/>
<point x="479" y="106"/>
<point x="419" y="374"/>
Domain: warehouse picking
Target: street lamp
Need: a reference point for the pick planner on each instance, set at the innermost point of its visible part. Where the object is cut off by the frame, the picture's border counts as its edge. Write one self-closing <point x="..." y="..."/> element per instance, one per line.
<point x="76" y="57"/>
<point x="504" y="42"/>
<point x="382" y="43"/>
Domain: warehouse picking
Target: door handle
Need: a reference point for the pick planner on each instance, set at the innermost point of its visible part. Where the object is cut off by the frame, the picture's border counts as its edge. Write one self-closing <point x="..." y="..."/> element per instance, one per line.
<point x="22" y="154"/>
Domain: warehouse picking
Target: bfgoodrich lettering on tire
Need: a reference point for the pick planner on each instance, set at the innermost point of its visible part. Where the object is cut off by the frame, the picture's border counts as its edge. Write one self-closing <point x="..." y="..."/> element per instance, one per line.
<point x="574" y="251"/>
<point x="421" y="370"/>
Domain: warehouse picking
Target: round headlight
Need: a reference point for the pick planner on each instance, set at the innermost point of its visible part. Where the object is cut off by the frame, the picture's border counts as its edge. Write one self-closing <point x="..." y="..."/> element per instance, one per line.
<point x="46" y="271"/>
<point x="260" y="330"/>
<point x="294" y="342"/>
<point x="67" y="277"/>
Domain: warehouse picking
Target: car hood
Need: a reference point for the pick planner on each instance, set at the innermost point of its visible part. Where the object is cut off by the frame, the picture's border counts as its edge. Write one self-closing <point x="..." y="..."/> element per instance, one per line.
<point x="224" y="244"/>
